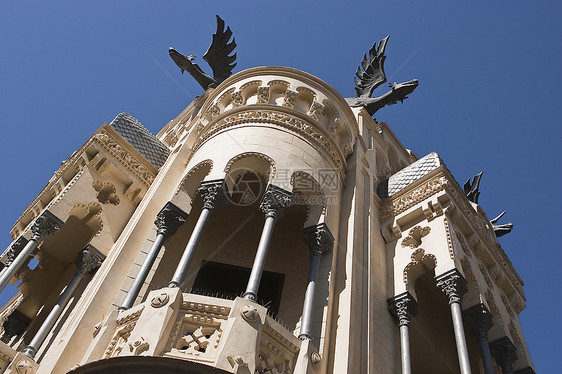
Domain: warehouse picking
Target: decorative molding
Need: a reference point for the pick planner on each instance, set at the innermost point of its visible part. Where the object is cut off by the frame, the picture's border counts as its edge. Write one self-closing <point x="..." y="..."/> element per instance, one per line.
<point x="507" y="305"/>
<point x="450" y="246"/>
<point x="213" y="194"/>
<point x="403" y="307"/>
<point x="252" y="154"/>
<point x="492" y="304"/>
<point x="194" y="169"/>
<point x="417" y="257"/>
<point x="169" y="219"/>
<point x="318" y="238"/>
<point x="274" y="200"/>
<point x="312" y="133"/>
<point x="413" y="240"/>
<point x="465" y="264"/>
<point x="453" y="284"/>
<point x="417" y="195"/>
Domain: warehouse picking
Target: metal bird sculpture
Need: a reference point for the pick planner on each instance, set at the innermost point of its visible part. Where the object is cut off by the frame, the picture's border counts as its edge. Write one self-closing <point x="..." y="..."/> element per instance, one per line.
<point x="501" y="230"/>
<point x="370" y="75"/>
<point x="471" y="189"/>
<point x="217" y="56"/>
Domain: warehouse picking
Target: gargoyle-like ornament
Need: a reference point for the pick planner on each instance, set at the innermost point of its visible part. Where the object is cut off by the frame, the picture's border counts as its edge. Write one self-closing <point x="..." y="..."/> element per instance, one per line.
<point x="217" y="56"/>
<point x="471" y="189"/>
<point x="501" y="230"/>
<point x="373" y="76"/>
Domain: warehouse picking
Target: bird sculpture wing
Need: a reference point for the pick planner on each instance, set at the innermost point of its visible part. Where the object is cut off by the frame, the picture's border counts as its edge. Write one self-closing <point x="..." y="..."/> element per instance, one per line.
<point x="217" y="56"/>
<point x="372" y="75"/>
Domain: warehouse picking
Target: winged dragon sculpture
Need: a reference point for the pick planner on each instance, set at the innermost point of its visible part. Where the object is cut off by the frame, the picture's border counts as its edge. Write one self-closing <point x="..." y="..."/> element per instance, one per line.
<point x="217" y="56"/>
<point x="370" y="75"/>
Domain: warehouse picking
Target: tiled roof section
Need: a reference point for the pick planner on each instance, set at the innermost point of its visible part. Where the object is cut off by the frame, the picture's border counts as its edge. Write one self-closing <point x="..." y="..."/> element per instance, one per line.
<point x="141" y="138"/>
<point x="408" y="175"/>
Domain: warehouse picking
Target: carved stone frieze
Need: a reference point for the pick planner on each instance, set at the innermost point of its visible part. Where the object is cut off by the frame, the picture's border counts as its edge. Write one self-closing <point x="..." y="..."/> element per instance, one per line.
<point x="45" y="226"/>
<point x="453" y="284"/>
<point x="88" y="260"/>
<point x="318" y="238"/>
<point x="403" y="307"/>
<point x="169" y="219"/>
<point x="213" y="194"/>
<point x="274" y="200"/>
<point x="263" y="95"/>
<point x="296" y="124"/>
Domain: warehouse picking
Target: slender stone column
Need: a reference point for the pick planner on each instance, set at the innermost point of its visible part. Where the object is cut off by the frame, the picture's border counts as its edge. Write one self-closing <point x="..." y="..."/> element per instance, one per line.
<point x="168" y="220"/>
<point x="274" y="201"/>
<point x="479" y="319"/>
<point x="87" y="262"/>
<point x="45" y="226"/>
<point x="504" y="352"/>
<point x="453" y="284"/>
<point x="403" y="307"/>
<point x="214" y="196"/>
<point x="319" y="239"/>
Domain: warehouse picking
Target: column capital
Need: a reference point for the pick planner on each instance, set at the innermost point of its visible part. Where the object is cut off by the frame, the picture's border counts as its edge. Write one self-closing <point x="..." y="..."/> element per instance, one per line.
<point x="453" y="284"/>
<point x="88" y="260"/>
<point x="45" y="226"/>
<point x="318" y="238"/>
<point x="479" y="318"/>
<point x="504" y="352"/>
<point x="403" y="307"/>
<point x="213" y="194"/>
<point x="274" y="200"/>
<point x="14" y="250"/>
<point x="169" y="219"/>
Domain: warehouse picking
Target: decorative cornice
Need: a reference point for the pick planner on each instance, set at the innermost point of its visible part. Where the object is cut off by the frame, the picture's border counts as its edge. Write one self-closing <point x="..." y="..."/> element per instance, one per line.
<point x="213" y="194"/>
<point x="479" y="318"/>
<point x="169" y="219"/>
<point x="274" y="200"/>
<point x="318" y="238"/>
<point x="503" y="351"/>
<point x="453" y="284"/>
<point x="45" y="226"/>
<point x="403" y="307"/>
<point x="88" y="260"/>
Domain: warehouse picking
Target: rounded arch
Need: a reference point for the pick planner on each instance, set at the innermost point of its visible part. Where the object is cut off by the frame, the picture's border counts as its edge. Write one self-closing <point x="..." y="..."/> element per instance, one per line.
<point x="192" y="180"/>
<point x="246" y="176"/>
<point x="307" y="191"/>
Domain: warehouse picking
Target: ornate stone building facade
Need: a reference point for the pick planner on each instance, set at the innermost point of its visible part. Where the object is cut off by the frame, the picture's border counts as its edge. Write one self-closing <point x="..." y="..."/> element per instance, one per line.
<point x="268" y="228"/>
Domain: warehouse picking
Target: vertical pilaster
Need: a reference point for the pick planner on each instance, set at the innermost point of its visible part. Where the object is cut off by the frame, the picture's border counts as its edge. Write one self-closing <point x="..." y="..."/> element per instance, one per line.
<point x="319" y="240"/>
<point x="273" y="202"/>
<point x="87" y="261"/>
<point x="504" y="353"/>
<point x="453" y="284"/>
<point x="403" y="307"/>
<point x="479" y="318"/>
<point x="214" y="196"/>
<point x="168" y="220"/>
<point x="45" y="226"/>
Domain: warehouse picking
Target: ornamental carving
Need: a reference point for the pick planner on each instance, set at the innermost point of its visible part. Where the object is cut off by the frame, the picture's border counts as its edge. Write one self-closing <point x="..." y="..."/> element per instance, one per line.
<point x="413" y="240"/>
<point x="45" y="226"/>
<point x="453" y="285"/>
<point x="310" y="132"/>
<point x="274" y="200"/>
<point x="213" y="194"/>
<point x="273" y="168"/>
<point x="122" y="334"/>
<point x="169" y="219"/>
<point x="290" y="97"/>
<point x="419" y="194"/>
<point x="418" y="256"/>
<point x="14" y="250"/>
<point x="403" y="307"/>
<point x="465" y="264"/>
<point x="263" y="95"/>
<point x="106" y="192"/>
<point x="88" y="260"/>
<point x="318" y="238"/>
<point x="204" y="163"/>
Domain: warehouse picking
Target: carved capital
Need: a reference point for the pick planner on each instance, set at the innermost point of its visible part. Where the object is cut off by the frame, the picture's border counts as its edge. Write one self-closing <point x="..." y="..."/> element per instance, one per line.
<point x="14" y="250"/>
<point x="318" y="238"/>
<point x="213" y="194"/>
<point x="479" y="318"/>
<point x="453" y="284"/>
<point x="45" y="226"/>
<point x="169" y="219"/>
<point x="504" y="352"/>
<point x="88" y="260"/>
<point x="274" y="200"/>
<point x="15" y="324"/>
<point x="403" y="307"/>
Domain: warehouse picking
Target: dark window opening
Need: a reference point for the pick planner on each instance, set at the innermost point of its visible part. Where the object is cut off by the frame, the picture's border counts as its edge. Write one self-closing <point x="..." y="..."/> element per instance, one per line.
<point x="229" y="281"/>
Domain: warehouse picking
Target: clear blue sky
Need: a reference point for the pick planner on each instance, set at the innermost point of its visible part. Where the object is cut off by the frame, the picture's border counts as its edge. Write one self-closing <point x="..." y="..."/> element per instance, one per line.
<point x="488" y="97"/>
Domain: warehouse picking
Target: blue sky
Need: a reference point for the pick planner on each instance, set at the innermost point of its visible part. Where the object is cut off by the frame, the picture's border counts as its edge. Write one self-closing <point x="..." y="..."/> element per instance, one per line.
<point x="488" y="97"/>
